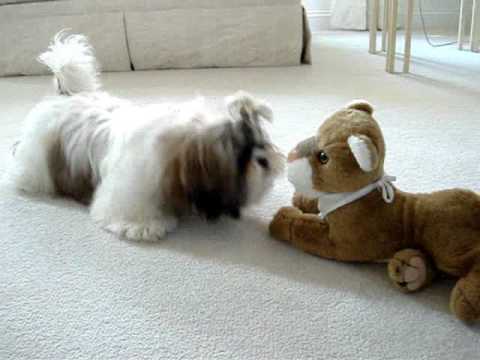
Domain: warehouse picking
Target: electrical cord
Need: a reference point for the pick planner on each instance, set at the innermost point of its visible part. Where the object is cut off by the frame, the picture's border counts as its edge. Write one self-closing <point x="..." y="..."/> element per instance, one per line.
<point x="425" y="32"/>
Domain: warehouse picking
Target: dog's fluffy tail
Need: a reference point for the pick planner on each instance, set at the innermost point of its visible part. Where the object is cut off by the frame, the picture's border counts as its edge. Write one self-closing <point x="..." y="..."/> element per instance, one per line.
<point x="72" y="61"/>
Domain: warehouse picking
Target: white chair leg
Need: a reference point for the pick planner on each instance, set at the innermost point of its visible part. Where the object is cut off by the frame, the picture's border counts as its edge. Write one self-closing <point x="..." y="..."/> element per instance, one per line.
<point x="408" y="36"/>
<point x="385" y="25"/>
<point x="461" y="25"/>
<point x="473" y="32"/>
<point x="392" y="35"/>
<point x="374" y="5"/>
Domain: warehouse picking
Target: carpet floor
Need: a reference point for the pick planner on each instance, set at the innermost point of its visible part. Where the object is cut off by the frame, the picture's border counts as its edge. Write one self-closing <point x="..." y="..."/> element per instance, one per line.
<point x="68" y="290"/>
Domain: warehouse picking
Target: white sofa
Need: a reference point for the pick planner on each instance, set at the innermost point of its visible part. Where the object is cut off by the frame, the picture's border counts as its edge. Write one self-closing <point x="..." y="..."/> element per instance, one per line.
<point x="158" y="34"/>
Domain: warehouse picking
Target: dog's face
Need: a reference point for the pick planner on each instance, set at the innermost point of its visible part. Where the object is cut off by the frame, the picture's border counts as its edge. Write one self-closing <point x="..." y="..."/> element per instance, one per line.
<point x="230" y="165"/>
<point x="346" y="154"/>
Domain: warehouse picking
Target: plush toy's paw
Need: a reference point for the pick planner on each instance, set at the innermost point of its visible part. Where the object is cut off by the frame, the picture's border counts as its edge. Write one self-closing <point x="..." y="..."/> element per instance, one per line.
<point x="308" y="206"/>
<point x="465" y="297"/>
<point x="462" y="306"/>
<point x="280" y="226"/>
<point x="410" y="270"/>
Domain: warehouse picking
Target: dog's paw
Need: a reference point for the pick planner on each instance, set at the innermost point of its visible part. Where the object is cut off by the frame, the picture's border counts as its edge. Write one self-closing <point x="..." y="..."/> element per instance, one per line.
<point x="152" y="231"/>
<point x="409" y="270"/>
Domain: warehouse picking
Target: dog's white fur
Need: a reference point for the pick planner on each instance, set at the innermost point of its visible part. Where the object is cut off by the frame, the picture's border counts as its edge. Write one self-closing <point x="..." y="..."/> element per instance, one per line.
<point x="71" y="59"/>
<point x="85" y="138"/>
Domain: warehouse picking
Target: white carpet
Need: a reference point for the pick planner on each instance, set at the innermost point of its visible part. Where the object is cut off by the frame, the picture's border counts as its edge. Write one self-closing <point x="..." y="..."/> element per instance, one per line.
<point x="70" y="291"/>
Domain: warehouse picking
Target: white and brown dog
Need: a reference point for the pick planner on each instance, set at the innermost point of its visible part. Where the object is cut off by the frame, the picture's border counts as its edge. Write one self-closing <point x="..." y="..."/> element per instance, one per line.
<point x="141" y="167"/>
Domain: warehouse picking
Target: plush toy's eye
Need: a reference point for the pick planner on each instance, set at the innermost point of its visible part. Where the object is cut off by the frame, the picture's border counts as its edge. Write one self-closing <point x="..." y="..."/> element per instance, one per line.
<point x="322" y="157"/>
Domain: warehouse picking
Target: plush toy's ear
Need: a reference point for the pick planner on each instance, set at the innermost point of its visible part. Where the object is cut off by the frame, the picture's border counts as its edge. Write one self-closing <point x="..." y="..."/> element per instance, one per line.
<point x="364" y="152"/>
<point x="361" y="105"/>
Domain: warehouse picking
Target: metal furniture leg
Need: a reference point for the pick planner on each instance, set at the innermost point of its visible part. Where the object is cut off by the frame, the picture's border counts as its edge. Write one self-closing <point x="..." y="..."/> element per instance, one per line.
<point x="385" y="25"/>
<point x="408" y="36"/>
<point x="392" y="35"/>
<point x="375" y="4"/>
<point x="461" y="25"/>
<point x="473" y="32"/>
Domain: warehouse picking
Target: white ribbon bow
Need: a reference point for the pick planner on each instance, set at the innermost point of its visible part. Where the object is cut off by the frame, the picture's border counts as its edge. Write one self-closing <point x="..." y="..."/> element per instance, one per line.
<point x="385" y="185"/>
<point x="329" y="202"/>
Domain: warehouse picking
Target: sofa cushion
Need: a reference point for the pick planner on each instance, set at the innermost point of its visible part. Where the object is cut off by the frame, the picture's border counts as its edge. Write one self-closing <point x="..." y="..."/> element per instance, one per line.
<point x="70" y="7"/>
<point x="152" y="33"/>
<point x="225" y="37"/>
<point x="7" y="2"/>
<point x="27" y="38"/>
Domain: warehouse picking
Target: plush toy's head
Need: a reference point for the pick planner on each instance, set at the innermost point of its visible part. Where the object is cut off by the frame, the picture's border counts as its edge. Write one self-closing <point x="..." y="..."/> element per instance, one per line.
<point x="346" y="154"/>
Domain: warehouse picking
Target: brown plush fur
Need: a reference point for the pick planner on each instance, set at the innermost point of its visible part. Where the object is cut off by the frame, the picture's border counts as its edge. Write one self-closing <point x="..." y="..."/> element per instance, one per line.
<point x="442" y="226"/>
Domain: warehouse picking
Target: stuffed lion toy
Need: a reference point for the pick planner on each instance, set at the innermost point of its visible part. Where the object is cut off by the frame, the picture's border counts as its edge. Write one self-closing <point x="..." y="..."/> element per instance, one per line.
<point x="346" y="209"/>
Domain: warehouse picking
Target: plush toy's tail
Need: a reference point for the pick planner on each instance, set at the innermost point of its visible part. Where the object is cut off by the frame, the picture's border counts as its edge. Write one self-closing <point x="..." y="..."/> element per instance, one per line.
<point x="72" y="61"/>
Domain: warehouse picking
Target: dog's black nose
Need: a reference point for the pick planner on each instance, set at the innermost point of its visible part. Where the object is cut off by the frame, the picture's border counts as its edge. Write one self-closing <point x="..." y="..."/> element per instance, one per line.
<point x="234" y="213"/>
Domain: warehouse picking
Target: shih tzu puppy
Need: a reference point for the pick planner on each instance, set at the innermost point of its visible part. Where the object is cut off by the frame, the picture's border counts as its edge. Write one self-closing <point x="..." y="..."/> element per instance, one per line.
<point x="141" y="167"/>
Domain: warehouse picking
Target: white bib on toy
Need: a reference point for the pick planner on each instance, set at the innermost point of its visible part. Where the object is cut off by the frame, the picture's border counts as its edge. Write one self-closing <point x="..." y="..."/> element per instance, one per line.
<point x="300" y="175"/>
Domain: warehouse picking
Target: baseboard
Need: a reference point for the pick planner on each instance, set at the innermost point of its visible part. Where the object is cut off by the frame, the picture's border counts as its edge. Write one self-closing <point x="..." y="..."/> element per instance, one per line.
<point x="434" y="20"/>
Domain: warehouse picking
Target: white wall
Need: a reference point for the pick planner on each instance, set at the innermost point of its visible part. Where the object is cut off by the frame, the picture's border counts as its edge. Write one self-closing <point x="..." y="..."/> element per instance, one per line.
<point x="440" y="15"/>
<point x="318" y="4"/>
<point x="319" y="13"/>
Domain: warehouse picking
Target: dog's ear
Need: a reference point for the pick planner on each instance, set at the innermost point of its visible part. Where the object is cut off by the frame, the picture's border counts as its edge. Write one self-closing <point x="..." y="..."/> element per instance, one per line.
<point x="209" y="176"/>
<point x="364" y="151"/>
<point x="248" y="127"/>
<point x="361" y="105"/>
<point x="242" y="105"/>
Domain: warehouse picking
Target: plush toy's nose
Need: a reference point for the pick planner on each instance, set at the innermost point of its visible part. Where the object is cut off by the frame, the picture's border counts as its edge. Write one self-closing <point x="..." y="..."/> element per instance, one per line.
<point x="303" y="149"/>
<point x="293" y="155"/>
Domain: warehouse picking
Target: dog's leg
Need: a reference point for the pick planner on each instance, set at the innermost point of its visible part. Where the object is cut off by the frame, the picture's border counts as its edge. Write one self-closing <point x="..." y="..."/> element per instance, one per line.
<point x="151" y="230"/>
<point x="129" y="211"/>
